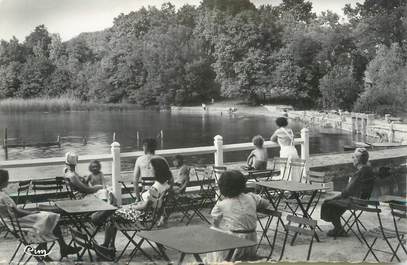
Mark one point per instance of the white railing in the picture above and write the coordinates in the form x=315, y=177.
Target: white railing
x=115, y=156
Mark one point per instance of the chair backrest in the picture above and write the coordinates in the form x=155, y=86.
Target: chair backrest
x=155, y=211
x=279, y=162
x=201, y=172
x=315, y=177
x=258, y=175
x=52, y=184
x=22, y=192
x=398, y=210
x=217, y=171
x=364, y=205
x=312, y=224
x=296, y=169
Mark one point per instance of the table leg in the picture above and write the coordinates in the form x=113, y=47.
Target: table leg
x=230, y=254
x=162, y=250
x=198, y=259
x=181, y=258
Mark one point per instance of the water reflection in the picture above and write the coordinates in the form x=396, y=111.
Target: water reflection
x=180, y=130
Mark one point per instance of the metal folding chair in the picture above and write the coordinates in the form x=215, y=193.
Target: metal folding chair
x=376, y=233
x=208, y=192
x=270, y=215
x=399, y=211
x=305, y=227
x=296, y=169
x=26, y=238
x=53, y=189
x=147, y=222
x=279, y=167
x=22, y=192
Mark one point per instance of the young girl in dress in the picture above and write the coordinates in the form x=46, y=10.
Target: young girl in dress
x=40, y=223
x=258, y=157
x=237, y=214
x=284, y=136
x=133, y=212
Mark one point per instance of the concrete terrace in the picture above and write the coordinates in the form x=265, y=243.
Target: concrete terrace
x=344, y=249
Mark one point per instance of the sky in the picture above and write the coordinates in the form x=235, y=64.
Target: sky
x=71, y=17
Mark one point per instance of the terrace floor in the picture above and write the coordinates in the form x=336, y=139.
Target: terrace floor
x=344, y=249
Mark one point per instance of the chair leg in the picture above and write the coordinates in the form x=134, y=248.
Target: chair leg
x=310, y=247
x=15, y=252
x=264, y=233
x=127, y=245
x=284, y=244
x=371, y=251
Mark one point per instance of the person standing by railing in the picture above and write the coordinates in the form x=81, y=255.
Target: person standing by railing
x=284, y=136
x=142, y=167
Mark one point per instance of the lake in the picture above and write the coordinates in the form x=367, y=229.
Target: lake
x=179, y=130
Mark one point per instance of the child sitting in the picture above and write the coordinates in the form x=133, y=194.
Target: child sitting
x=96, y=179
x=96, y=176
x=182, y=179
x=258, y=157
x=237, y=213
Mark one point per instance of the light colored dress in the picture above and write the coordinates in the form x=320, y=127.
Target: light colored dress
x=238, y=216
x=41, y=223
x=128, y=213
x=285, y=138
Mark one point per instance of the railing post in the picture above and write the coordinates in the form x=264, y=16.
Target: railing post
x=391, y=132
x=117, y=191
x=218, y=143
x=305, y=149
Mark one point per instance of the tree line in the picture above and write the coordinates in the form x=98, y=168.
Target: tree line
x=223, y=49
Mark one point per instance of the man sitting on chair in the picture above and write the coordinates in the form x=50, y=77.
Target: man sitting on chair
x=360, y=186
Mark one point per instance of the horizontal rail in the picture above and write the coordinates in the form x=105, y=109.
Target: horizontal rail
x=202, y=150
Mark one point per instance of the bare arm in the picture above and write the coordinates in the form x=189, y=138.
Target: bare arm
x=274, y=137
x=81, y=187
x=136, y=180
x=141, y=205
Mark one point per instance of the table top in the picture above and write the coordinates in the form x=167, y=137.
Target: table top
x=292, y=186
x=392, y=198
x=86, y=205
x=195, y=239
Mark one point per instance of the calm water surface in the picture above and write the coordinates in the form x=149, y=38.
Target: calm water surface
x=180, y=130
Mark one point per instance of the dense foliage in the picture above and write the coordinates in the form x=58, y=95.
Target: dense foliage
x=223, y=48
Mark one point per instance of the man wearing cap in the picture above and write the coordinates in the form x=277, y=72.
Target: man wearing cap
x=71, y=160
x=360, y=186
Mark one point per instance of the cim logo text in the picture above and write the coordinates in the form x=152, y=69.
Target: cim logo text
x=36, y=252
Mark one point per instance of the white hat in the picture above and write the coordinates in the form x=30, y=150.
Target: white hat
x=71, y=159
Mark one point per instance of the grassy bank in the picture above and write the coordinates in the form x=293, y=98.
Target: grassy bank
x=57, y=104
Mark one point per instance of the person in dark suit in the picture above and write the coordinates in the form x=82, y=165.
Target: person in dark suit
x=360, y=186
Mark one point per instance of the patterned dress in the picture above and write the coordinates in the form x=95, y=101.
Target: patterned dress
x=129, y=213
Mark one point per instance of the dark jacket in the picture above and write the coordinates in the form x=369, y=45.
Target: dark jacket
x=361, y=184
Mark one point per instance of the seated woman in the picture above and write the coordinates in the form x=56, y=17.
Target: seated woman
x=142, y=168
x=77, y=182
x=360, y=186
x=237, y=214
x=133, y=212
x=44, y=224
x=258, y=157
x=182, y=179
